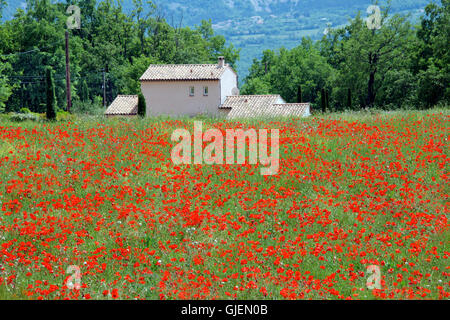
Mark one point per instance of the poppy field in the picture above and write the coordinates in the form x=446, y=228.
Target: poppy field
x=353, y=194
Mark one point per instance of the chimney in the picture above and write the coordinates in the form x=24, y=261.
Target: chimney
x=221, y=62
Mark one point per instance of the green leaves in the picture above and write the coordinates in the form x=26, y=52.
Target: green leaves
x=283, y=71
x=123, y=43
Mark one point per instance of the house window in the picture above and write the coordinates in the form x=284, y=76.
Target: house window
x=191, y=91
x=205, y=91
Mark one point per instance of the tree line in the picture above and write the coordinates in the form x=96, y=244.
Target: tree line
x=111, y=45
x=395, y=65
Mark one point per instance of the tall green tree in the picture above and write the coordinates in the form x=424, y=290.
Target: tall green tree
x=364, y=55
x=349, y=98
x=5, y=88
x=141, y=105
x=327, y=99
x=118, y=42
x=323, y=100
x=284, y=70
x=432, y=59
x=50, y=93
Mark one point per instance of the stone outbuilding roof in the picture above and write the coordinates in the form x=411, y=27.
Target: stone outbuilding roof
x=291, y=110
x=123, y=105
x=250, y=102
x=263, y=106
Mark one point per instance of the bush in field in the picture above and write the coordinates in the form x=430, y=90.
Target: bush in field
x=25, y=110
x=88, y=107
x=19, y=117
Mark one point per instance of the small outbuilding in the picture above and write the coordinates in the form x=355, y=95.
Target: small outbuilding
x=263, y=106
x=123, y=105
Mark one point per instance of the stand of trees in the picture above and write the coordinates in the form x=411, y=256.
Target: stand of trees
x=110, y=44
x=395, y=66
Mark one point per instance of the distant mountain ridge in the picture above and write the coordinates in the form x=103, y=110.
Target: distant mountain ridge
x=256, y=25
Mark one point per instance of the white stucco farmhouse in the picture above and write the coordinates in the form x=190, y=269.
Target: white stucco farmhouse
x=188, y=89
x=211, y=89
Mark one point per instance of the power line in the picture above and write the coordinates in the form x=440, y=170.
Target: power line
x=56, y=77
x=30, y=51
x=26, y=77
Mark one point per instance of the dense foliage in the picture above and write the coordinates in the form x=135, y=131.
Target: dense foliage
x=397, y=65
x=110, y=44
x=257, y=25
x=141, y=104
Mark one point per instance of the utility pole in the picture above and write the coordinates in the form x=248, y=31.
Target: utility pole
x=104, y=88
x=68, y=93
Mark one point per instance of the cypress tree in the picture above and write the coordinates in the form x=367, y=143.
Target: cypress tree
x=322, y=100
x=141, y=105
x=349, y=98
x=299, y=95
x=51, y=97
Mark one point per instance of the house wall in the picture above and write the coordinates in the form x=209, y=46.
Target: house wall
x=228, y=82
x=307, y=111
x=280, y=101
x=172, y=97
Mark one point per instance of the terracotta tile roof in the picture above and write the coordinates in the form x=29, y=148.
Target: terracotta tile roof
x=177, y=72
x=123, y=105
x=263, y=106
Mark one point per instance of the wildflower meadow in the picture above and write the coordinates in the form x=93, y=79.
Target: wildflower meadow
x=96, y=209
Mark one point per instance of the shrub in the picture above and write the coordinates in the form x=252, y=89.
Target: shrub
x=141, y=105
x=20, y=117
x=88, y=107
x=65, y=116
